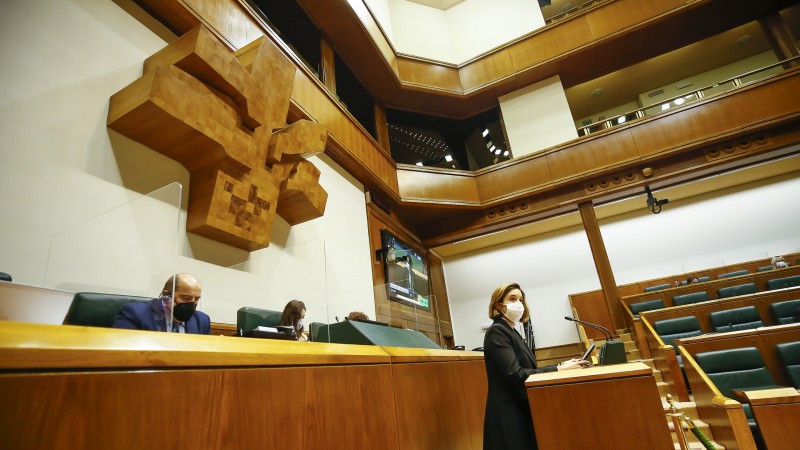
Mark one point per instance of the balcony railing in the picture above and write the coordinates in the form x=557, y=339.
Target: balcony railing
x=688, y=97
x=572, y=11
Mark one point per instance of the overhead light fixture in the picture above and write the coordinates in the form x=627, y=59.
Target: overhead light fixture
x=489, y=144
x=419, y=163
x=621, y=119
x=485, y=132
x=678, y=101
x=497, y=152
x=448, y=158
x=665, y=106
x=505, y=153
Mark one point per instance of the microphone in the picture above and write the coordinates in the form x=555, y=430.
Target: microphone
x=337, y=318
x=604, y=330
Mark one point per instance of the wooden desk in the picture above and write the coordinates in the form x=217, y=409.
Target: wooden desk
x=599, y=408
x=777, y=413
x=70, y=387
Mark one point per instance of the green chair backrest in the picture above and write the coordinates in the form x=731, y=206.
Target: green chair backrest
x=785, y=282
x=735, y=368
x=745, y=318
x=784, y=312
x=687, y=299
x=765, y=268
x=96, y=309
x=649, y=305
x=733, y=274
x=680, y=327
x=657, y=288
x=703, y=279
x=313, y=329
x=789, y=354
x=248, y=318
x=733, y=291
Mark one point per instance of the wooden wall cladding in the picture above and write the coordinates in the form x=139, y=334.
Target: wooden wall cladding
x=430, y=75
x=437, y=186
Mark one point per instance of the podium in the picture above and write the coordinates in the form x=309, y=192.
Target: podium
x=599, y=408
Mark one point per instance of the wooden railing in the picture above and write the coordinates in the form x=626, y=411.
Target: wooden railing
x=720, y=87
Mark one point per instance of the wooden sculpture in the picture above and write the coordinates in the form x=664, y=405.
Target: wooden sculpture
x=223, y=116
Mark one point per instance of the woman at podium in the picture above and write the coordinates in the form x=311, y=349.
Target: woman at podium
x=507, y=423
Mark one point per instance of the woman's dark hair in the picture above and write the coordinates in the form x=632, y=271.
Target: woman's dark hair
x=292, y=314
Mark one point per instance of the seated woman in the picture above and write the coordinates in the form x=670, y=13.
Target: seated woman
x=293, y=315
x=778, y=262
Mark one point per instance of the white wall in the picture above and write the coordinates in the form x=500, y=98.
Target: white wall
x=537, y=117
x=732, y=225
x=459, y=33
x=61, y=165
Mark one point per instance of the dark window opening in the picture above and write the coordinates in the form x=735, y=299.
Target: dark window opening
x=291, y=23
x=353, y=96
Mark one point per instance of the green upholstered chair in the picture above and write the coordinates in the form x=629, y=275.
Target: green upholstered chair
x=737, y=368
x=688, y=299
x=782, y=283
x=789, y=354
x=649, y=305
x=736, y=319
x=733, y=291
x=5, y=277
x=313, y=330
x=703, y=279
x=680, y=327
x=733, y=274
x=96, y=309
x=784, y=312
x=248, y=318
x=765, y=268
x=657, y=288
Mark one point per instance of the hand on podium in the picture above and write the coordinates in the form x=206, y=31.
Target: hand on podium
x=573, y=363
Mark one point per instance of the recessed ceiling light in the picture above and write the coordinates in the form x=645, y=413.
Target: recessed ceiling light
x=497, y=152
x=505, y=153
x=448, y=158
x=597, y=93
x=485, y=132
x=419, y=163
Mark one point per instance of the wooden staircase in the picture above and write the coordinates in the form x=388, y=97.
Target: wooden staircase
x=633, y=354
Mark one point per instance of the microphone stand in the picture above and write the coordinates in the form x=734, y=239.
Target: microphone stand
x=612, y=352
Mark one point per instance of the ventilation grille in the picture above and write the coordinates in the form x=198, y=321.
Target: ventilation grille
x=655, y=93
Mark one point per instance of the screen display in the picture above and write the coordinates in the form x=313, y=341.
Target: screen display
x=406, y=272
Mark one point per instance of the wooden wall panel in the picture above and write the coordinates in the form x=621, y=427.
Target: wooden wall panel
x=485, y=70
x=374, y=30
x=622, y=14
x=766, y=101
x=228, y=19
x=437, y=186
x=593, y=155
x=475, y=390
x=437, y=76
x=430, y=416
x=593, y=309
x=550, y=42
x=500, y=182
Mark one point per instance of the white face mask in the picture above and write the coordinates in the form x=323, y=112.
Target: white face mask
x=780, y=264
x=514, y=311
x=300, y=324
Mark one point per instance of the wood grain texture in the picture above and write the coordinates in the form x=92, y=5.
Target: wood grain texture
x=772, y=422
x=627, y=397
x=198, y=104
x=431, y=415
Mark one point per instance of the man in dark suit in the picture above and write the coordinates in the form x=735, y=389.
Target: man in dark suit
x=176, y=307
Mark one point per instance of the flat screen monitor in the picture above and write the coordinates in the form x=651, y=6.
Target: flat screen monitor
x=406, y=272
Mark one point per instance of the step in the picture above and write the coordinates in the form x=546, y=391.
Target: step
x=633, y=355
x=698, y=446
x=648, y=362
x=663, y=388
x=630, y=346
x=625, y=337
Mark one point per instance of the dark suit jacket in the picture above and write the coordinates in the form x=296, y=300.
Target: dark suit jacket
x=507, y=423
x=150, y=316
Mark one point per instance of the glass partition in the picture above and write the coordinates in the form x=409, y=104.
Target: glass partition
x=255, y=292
x=130, y=249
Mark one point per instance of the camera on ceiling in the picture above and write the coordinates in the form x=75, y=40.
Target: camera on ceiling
x=654, y=204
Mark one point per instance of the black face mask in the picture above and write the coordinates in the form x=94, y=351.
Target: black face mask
x=183, y=311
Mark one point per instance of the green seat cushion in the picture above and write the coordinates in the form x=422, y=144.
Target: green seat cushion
x=733, y=274
x=687, y=299
x=733, y=291
x=657, y=288
x=784, y=312
x=745, y=318
x=649, y=305
x=789, y=354
x=97, y=309
x=765, y=268
x=680, y=327
x=782, y=283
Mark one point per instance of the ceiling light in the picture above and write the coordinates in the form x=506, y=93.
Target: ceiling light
x=621, y=119
x=489, y=144
x=497, y=152
x=678, y=101
x=505, y=153
x=492, y=149
x=419, y=163
x=665, y=106
x=448, y=158
x=485, y=132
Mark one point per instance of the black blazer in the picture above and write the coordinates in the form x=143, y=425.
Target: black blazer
x=507, y=423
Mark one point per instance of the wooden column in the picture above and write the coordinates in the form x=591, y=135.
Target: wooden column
x=382, y=128
x=327, y=66
x=601, y=263
x=780, y=37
